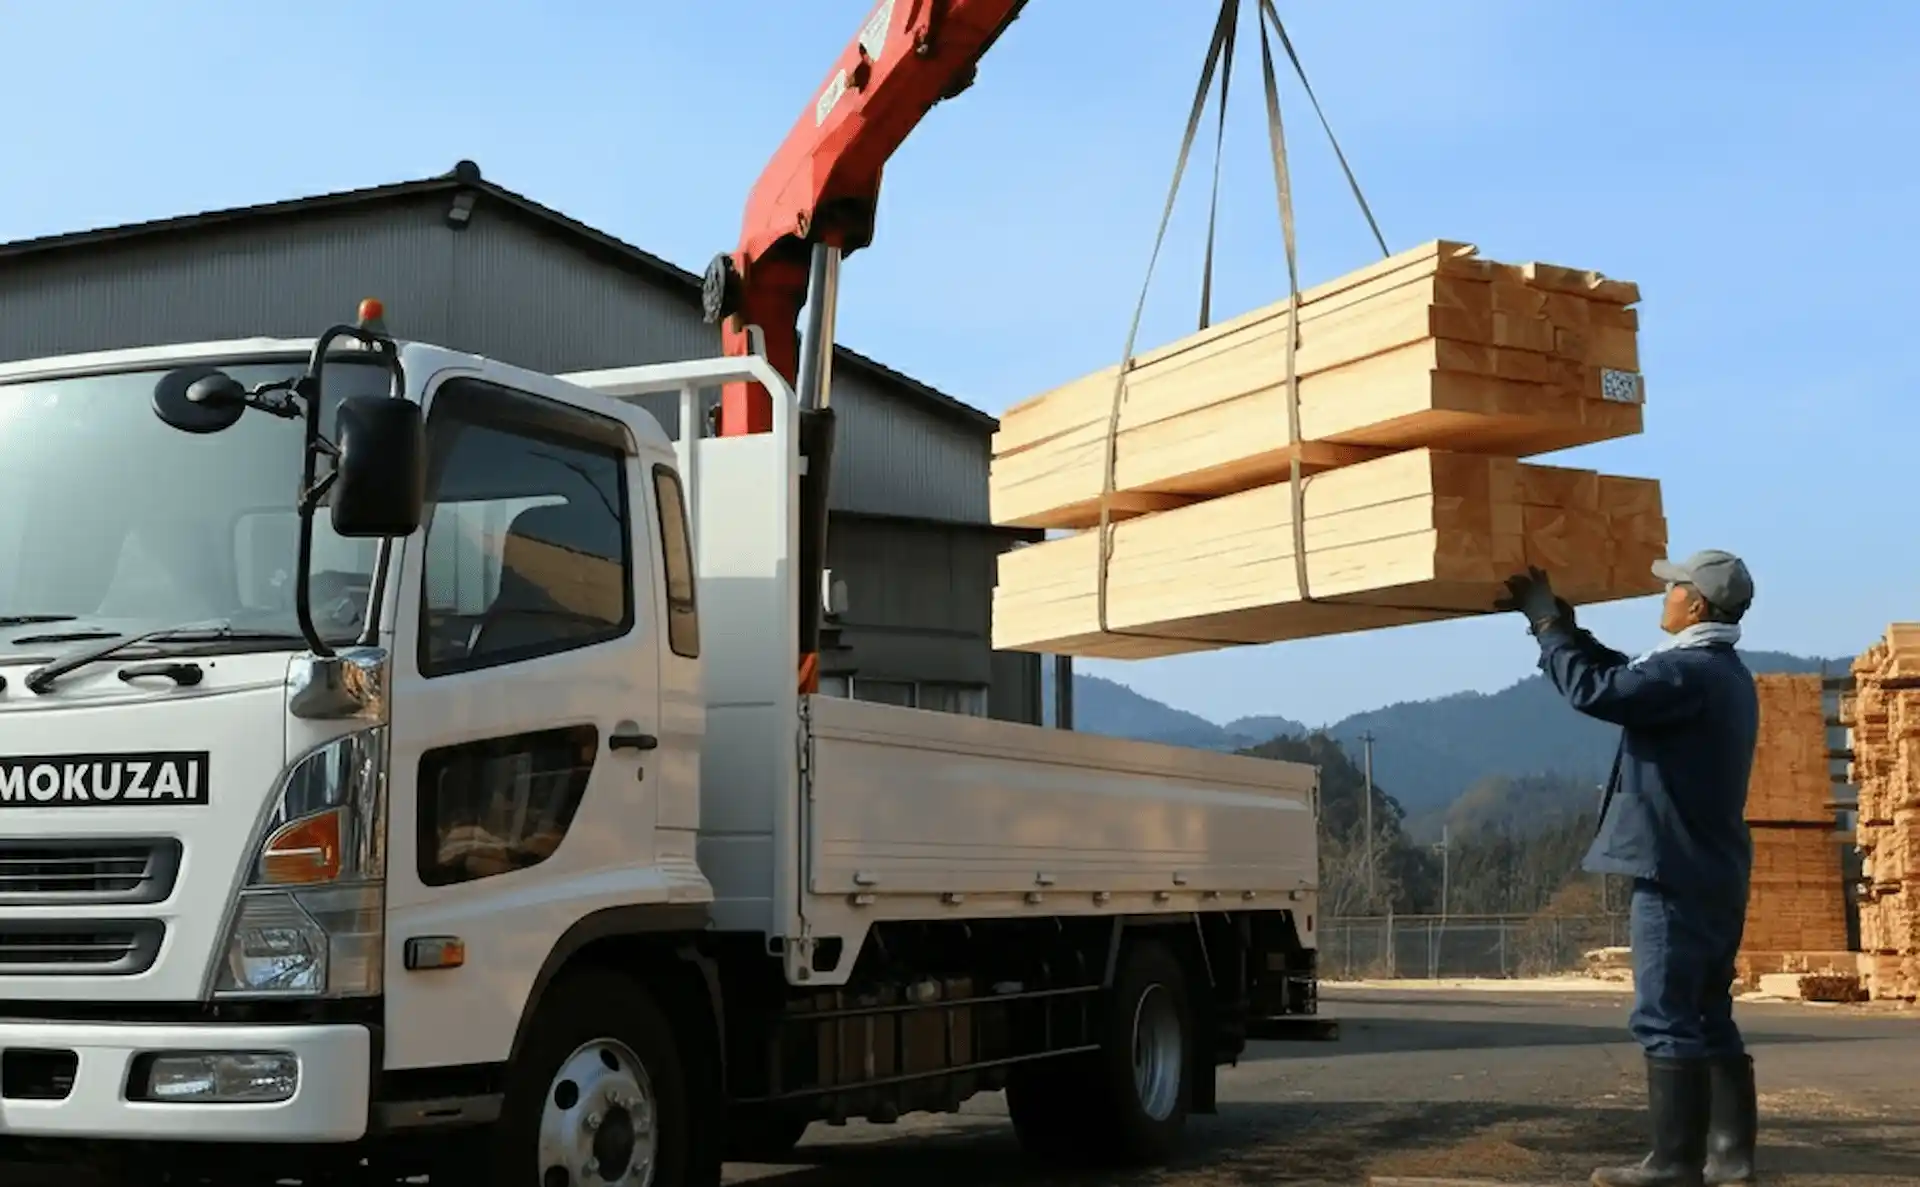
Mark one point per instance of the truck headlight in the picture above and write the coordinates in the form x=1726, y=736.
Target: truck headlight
x=215, y=1077
x=311, y=919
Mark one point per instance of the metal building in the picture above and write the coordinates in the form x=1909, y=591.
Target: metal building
x=467, y=264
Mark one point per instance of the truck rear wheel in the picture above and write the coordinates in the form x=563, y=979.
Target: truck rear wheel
x=1127, y=1102
x=597, y=1094
x=1145, y=1091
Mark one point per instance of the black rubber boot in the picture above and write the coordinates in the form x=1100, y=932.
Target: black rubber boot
x=1735, y=1128
x=1677, y=1104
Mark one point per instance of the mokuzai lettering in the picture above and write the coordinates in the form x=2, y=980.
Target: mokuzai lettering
x=85, y=780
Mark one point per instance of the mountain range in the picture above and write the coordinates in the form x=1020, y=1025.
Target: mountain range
x=1426, y=754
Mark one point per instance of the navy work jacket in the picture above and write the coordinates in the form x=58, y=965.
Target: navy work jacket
x=1674, y=810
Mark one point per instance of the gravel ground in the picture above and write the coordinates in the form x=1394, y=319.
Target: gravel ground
x=1531, y=1086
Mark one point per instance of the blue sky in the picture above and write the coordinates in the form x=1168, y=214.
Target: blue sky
x=1752, y=166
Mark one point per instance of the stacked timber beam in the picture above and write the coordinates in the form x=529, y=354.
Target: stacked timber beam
x=1883, y=717
x=1421, y=382
x=1796, y=905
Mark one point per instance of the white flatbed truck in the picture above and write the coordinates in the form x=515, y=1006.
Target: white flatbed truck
x=462, y=813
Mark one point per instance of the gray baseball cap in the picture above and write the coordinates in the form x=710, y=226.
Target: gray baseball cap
x=1721, y=578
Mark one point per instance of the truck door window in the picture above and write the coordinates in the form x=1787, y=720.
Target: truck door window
x=683, y=611
x=502, y=804
x=528, y=541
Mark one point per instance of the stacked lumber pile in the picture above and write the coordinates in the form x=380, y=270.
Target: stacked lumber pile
x=1825, y=966
x=1883, y=717
x=1422, y=381
x=1813, y=987
x=1797, y=900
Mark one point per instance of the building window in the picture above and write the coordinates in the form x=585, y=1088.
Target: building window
x=528, y=544
x=884, y=692
x=683, y=613
x=503, y=804
x=967, y=699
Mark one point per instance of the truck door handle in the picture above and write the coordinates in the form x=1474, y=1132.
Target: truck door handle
x=630, y=738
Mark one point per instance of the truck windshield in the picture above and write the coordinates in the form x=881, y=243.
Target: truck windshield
x=112, y=521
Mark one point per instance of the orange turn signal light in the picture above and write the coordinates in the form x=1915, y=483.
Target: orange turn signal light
x=303, y=851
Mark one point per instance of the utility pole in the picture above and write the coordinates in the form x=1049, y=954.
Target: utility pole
x=1446, y=868
x=1367, y=740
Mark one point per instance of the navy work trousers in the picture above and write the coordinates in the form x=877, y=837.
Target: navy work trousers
x=1683, y=968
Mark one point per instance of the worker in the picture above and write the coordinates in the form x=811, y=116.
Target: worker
x=1673, y=819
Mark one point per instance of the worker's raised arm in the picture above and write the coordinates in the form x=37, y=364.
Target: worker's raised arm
x=1595, y=679
x=1602, y=683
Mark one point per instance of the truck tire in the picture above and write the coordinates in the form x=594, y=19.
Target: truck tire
x=597, y=1094
x=1143, y=1093
x=1127, y=1103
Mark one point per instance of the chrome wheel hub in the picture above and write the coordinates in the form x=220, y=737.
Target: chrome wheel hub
x=1156, y=1053
x=597, y=1125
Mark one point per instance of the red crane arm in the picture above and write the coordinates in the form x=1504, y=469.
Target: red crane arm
x=823, y=183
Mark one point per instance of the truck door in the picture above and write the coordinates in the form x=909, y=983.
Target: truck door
x=526, y=711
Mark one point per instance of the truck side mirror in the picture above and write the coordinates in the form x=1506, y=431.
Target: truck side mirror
x=380, y=475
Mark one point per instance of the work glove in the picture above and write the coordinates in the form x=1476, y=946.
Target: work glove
x=1531, y=593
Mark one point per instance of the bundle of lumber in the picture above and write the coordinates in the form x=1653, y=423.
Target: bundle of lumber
x=1412, y=537
x=1883, y=718
x=1421, y=381
x=1814, y=987
x=1791, y=781
x=1431, y=348
x=1797, y=901
x=1751, y=966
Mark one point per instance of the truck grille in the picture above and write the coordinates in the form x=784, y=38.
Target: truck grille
x=87, y=872
x=78, y=947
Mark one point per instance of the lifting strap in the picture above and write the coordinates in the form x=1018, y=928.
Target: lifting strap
x=1223, y=27
x=1220, y=56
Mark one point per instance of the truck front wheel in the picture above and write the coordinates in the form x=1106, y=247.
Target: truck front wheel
x=597, y=1094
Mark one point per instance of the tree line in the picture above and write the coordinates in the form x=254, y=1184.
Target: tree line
x=1513, y=845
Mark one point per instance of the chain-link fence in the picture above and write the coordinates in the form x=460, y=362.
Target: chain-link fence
x=1463, y=946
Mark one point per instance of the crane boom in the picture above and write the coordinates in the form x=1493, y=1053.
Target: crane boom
x=813, y=204
x=823, y=182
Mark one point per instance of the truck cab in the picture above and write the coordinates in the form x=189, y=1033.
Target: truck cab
x=400, y=759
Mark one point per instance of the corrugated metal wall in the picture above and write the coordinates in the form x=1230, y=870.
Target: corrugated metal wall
x=529, y=295
x=501, y=288
x=891, y=457
x=496, y=289
x=919, y=603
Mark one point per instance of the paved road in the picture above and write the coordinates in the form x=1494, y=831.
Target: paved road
x=1527, y=1087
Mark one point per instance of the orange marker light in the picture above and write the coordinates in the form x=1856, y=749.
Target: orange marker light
x=372, y=311
x=303, y=851
x=424, y=953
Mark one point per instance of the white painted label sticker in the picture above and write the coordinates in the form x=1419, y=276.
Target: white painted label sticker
x=872, y=41
x=873, y=38
x=830, y=97
x=1622, y=387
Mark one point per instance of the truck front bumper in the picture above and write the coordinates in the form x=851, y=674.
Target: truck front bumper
x=87, y=1093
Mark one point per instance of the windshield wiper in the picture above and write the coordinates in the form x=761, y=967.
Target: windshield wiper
x=7, y=620
x=65, y=637
x=42, y=678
